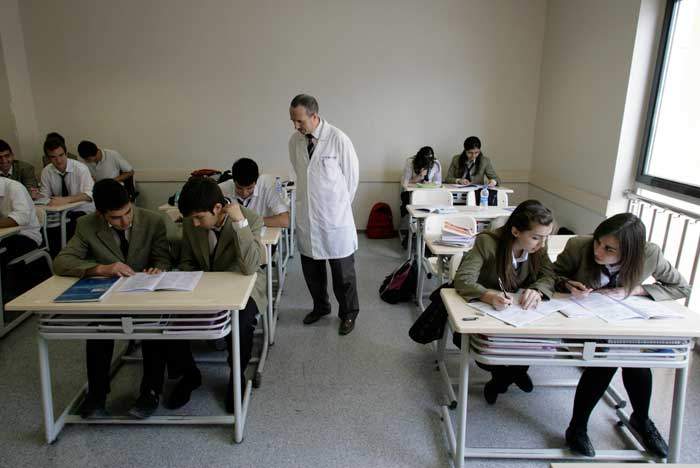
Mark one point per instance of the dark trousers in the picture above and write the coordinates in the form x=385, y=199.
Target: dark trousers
x=15, y=280
x=503, y=375
x=595, y=380
x=177, y=355
x=344, y=284
x=54, y=233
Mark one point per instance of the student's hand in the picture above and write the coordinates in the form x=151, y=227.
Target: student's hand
x=492, y=182
x=463, y=181
x=615, y=293
x=34, y=193
x=530, y=299
x=115, y=269
x=58, y=201
x=423, y=173
x=153, y=271
x=234, y=212
x=496, y=299
x=577, y=289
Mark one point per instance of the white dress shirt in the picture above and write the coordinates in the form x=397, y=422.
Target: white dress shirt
x=111, y=165
x=16, y=203
x=78, y=180
x=264, y=200
x=434, y=174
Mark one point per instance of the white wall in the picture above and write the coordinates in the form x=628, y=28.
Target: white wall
x=177, y=85
x=586, y=63
x=8, y=132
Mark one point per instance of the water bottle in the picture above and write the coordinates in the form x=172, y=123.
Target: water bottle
x=278, y=186
x=484, y=197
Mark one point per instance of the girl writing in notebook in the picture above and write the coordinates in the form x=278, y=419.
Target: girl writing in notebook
x=512, y=256
x=615, y=261
x=422, y=168
x=471, y=166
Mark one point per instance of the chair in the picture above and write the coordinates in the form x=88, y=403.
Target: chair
x=436, y=197
x=40, y=252
x=501, y=198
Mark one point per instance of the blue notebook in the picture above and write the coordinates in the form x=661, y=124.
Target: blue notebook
x=88, y=290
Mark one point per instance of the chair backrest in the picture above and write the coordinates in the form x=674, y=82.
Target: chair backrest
x=433, y=223
x=41, y=216
x=501, y=198
x=436, y=197
x=498, y=222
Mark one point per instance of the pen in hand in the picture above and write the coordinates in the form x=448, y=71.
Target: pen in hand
x=503, y=290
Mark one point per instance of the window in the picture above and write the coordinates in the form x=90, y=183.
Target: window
x=670, y=157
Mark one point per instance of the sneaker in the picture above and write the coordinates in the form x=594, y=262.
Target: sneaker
x=145, y=405
x=578, y=441
x=651, y=438
x=93, y=406
x=183, y=390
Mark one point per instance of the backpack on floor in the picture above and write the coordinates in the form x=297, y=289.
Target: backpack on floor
x=400, y=285
x=380, y=224
x=430, y=325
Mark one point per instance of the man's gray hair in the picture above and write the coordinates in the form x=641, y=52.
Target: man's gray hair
x=307, y=101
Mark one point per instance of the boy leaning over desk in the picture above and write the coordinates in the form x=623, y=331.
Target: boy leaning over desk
x=119, y=239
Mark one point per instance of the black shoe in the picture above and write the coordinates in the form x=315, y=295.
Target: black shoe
x=146, y=404
x=491, y=392
x=346, y=326
x=183, y=389
x=313, y=317
x=93, y=406
x=523, y=381
x=651, y=438
x=578, y=442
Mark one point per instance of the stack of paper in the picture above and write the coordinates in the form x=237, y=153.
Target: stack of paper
x=166, y=281
x=455, y=235
x=634, y=307
x=515, y=315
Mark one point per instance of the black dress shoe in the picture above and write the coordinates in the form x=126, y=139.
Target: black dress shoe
x=651, y=438
x=146, y=404
x=93, y=406
x=313, y=317
x=183, y=390
x=346, y=326
x=523, y=381
x=491, y=392
x=578, y=442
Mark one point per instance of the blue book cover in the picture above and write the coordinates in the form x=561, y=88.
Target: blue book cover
x=88, y=290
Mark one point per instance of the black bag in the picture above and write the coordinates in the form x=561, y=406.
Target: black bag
x=431, y=324
x=400, y=285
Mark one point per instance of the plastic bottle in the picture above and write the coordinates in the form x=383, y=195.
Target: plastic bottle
x=484, y=197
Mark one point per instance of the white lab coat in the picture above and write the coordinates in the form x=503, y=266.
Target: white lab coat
x=326, y=186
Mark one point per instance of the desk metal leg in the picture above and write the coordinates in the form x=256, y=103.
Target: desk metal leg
x=462, y=403
x=292, y=221
x=46, y=394
x=239, y=422
x=420, y=249
x=409, y=241
x=675, y=437
x=268, y=275
x=64, y=218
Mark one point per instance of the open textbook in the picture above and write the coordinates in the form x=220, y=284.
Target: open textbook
x=633, y=307
x=515, y=315
x=166, y=281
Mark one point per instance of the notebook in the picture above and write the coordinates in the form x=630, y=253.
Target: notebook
x=166, y=281
x=88, y=290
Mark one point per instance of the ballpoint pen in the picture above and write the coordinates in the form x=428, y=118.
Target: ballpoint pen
x=503, y=290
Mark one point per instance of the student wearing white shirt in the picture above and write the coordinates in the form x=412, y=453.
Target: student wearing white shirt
x=65, y=181
x=105, y=163
x=17, y=209
x=256, y=192
x=423, y=167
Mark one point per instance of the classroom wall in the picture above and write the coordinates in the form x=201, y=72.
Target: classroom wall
x=175, y=85
x=8, y=132
x=587, y=55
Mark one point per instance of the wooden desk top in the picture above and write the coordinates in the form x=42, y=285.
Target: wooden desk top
x=490, y=212
x=59, y=208
x=8, y=231
x=454, y=188
x=271, y=235
x=557, y=325
x=215, y=291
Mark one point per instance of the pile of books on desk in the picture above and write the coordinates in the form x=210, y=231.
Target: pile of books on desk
x=454, y=235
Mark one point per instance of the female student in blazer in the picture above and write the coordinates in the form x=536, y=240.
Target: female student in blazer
x=515, y=255
x=471, y=166
x=615, y=261
x=423, y=167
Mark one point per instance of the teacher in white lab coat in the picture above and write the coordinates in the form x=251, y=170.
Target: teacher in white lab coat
x=327, y=173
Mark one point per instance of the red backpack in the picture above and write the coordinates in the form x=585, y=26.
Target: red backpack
x=381, y=223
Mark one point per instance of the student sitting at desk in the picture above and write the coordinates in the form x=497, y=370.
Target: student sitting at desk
x=118, y=240
x=219, y=235
x=422, y=168
x=105, y=163
x=65, y=181
x=257, y=192
x=15, y=169
x=615, y=261
x=514, y=256
x=472, y=167
x=16, y=209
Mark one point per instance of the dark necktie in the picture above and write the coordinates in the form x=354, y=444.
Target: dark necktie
x=242, y=202
x=310, y=144
x=123, y=243
x=612, y=277
x=64, y=187
x=468, y=171
x=217, y=233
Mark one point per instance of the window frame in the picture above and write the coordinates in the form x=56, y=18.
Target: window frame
x=663, y=54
